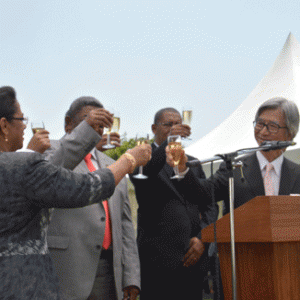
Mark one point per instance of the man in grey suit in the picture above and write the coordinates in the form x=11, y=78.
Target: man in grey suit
x=85, y=268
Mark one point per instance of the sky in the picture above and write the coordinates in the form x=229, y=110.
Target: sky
x=140, y=56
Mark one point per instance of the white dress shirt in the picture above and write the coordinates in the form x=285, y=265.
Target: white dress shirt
x=94, y=160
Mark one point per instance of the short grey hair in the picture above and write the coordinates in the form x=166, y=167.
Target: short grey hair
x=289, y=108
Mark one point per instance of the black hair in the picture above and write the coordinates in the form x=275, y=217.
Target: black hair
x=8, y=102
x=160, y=113
x=81, y=102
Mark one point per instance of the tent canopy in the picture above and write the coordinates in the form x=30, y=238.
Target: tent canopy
x=236, y=132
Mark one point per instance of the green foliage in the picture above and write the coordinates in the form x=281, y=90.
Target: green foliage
x=125, y=145
x=117, y=152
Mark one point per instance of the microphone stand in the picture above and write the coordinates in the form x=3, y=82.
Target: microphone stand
x=228, y=159
x=233, y=154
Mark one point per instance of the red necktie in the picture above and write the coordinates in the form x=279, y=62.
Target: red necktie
x=107, y=234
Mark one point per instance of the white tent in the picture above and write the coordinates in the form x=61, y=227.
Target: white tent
x=236, y=132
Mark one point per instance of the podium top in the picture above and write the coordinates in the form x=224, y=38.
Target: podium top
x=263, y=219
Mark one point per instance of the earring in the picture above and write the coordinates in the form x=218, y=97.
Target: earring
x=6, y=139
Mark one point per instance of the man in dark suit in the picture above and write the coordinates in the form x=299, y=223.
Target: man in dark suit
x=169, y=221
x=264, y=172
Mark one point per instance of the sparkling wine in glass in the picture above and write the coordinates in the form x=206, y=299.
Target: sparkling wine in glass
x=187, y=114
x=116, y=124
x=174, y=143
x=36, y=126
x=140, y=140
x=114, y=128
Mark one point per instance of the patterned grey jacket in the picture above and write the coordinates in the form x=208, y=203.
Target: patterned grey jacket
x=30, y=186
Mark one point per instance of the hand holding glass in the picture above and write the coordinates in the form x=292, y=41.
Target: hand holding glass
x=174, y=143
x=187, y=113
x=141, y=139
x=36, y=126
x=114, y=128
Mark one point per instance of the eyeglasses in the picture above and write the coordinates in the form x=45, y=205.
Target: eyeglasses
x=170, y=124
x=24, y=120
x=271, y=127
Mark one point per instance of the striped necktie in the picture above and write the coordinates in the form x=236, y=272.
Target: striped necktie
x=107, y=235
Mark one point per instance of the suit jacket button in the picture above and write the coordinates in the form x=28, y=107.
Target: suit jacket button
x=102, y=219
x=98, y=247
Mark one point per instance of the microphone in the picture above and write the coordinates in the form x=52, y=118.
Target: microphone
x=274, y=145
x=265, y=146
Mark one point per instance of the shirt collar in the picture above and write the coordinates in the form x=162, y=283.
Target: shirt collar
x=93, y=152
x=277, y=163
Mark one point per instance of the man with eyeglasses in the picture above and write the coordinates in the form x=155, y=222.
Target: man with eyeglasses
x=264, y=172
x=172, y=256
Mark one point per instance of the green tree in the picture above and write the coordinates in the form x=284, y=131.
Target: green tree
x=117, y=152
x=125, y=145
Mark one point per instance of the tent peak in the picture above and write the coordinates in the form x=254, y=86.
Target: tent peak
x=236, y=132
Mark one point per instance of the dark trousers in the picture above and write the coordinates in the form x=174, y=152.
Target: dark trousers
x=104, y=285
x=181, y=283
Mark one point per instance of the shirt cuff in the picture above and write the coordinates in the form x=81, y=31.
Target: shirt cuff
x=184, y=172
x=25, y=150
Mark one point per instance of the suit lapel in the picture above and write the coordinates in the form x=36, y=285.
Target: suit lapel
x=102, y=159
x=166, y=171
x=253, y=175
x=286, y=179
x=169, y=172
x=82, y=167
x=165, y=174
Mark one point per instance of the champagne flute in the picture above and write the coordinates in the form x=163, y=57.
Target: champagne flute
x=114, y=128
x=140, y=140
x=187, y=113
x=36, y=126
x=174, y=143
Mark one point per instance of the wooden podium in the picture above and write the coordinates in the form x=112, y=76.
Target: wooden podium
x=267, y=246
